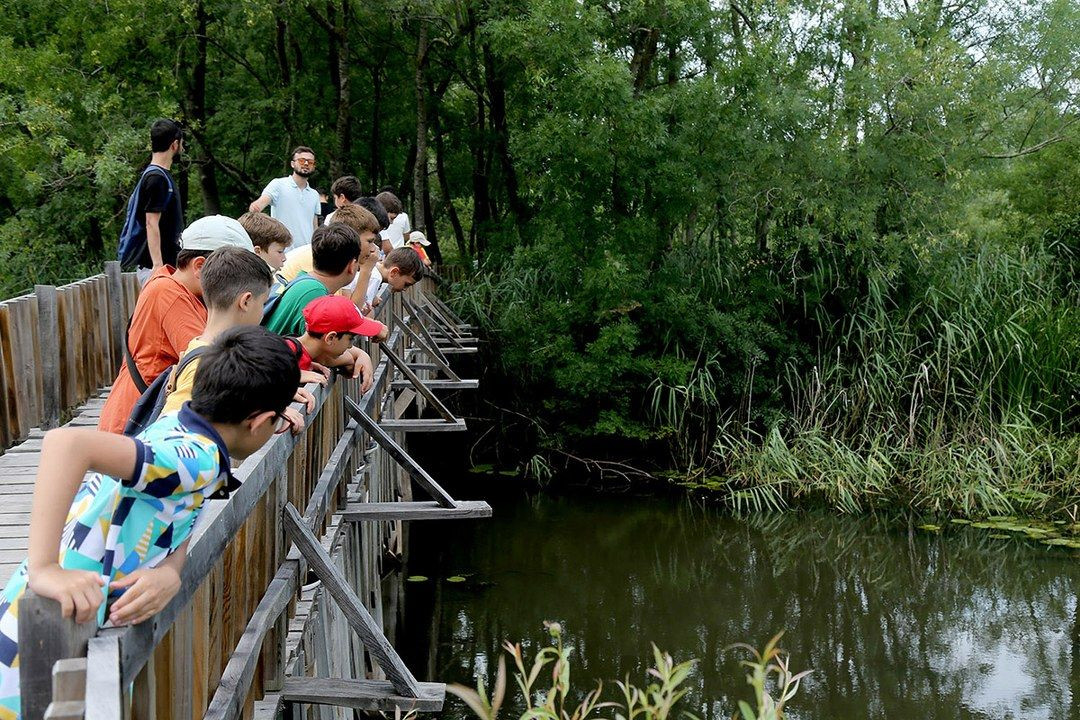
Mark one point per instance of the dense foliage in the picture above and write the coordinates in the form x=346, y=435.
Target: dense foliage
x=781, y=246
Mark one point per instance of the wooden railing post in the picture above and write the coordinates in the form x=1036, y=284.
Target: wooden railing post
x=117, y=320
x=49, y=345
x=45, y=637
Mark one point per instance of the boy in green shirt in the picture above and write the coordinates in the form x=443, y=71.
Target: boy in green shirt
x=335, y=252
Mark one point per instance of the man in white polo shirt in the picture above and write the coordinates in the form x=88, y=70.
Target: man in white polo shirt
x=292, y=200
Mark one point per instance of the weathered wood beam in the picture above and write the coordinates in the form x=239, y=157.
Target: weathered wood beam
x=104, y=690
x=417, y=510
x=356, y=614
x=422, y=425
x=427, y=346
x=371, y=695
x=425, y=391
x=398, y=454
x=438, y=384
x=44, y=639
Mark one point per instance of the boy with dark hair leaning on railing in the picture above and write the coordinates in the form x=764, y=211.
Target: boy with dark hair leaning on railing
x=127, y=524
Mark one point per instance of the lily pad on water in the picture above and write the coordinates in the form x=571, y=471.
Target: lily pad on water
x=481, y=469
x=1063, y=542
x=509, y=473
x=930, y=527
x=960, y=521
x=455, y=579
x=416, y=578
x=1000, y=536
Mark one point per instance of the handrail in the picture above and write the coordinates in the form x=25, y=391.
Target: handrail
x=237, y=551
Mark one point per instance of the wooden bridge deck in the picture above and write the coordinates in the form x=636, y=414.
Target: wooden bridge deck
x=18, y=468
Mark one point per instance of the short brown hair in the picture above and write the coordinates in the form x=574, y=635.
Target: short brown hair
x=349, y=186
x=333, y=247
x=264, y=230
x=406, y=260
x=390, y=201
x=231, y=271
x=299, y=149
x=356, y=217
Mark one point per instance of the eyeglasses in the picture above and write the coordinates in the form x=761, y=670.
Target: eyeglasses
x=282, y=423
x=304, y=161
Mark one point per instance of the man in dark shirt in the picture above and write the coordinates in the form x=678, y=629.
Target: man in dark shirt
x=159, y=201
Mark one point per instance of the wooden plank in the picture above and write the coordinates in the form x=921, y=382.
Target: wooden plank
x=228, y=700
x=417, y=510
x=15, y=374
x=444, y=412
x=372, y=695
x=447, y=311
x=66, y=710
x=114, y=284
x=357, y=615
x=439, y=384
x=441, y=320
x=426, y=345
x=421, y=425
x=68, y=343
x=398, y=454
x=103, y=688
x=69, y=679
x=44, y=638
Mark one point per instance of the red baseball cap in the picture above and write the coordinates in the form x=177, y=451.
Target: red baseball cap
x=337, y=313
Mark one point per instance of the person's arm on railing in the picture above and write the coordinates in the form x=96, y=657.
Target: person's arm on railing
x=67, y=454
x=149, y=590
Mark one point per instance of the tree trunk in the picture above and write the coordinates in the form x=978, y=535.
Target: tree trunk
x=196, y=102
x=343, y=126
x=285, y=70
x=448, y=200
x=644, y=43
x=375, y=152
x=420, y=167
x=497, y=97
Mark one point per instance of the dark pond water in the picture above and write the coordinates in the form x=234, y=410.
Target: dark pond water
x=894, y=623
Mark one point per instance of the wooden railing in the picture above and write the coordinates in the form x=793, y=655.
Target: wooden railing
x=58, y=347
x=223, y=642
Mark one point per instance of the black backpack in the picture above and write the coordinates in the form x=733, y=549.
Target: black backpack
x=148, y=407
x=133, y=235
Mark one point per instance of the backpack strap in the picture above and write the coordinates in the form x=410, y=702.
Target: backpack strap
x=190, y=355
x=133, y=369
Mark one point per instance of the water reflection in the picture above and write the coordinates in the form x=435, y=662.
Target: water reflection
x=896, y=623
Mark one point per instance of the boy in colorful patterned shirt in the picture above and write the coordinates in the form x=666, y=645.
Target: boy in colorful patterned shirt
x=119, y=553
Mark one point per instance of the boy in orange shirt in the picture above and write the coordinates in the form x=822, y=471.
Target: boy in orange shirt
x=168, y=315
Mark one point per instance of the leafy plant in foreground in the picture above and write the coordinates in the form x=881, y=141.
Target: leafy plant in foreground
x=656, y=701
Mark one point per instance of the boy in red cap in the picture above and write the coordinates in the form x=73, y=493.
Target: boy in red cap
x=332, y=322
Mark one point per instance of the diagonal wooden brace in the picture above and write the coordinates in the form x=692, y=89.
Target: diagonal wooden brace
x=402, y=458
x=357, y=615
x=421, y=388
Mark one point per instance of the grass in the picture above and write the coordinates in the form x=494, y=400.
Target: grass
x=959, y=398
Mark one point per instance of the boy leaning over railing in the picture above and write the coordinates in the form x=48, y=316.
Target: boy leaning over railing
x=119, y=553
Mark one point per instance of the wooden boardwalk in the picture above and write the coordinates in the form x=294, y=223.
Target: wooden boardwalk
x=242, y=638
x=18, y=468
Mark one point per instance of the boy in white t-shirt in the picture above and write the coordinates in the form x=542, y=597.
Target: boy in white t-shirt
x=394, y=236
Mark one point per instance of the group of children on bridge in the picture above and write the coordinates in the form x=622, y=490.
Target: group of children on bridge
x=235, y=317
